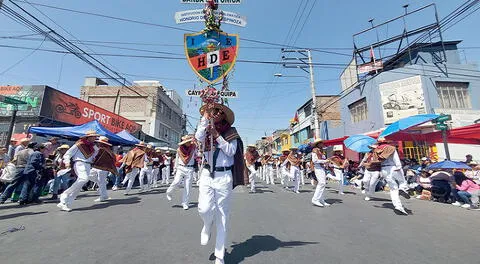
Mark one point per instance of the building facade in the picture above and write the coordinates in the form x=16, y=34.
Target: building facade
x=410, y=84
x=302, y=127
x=147, y=102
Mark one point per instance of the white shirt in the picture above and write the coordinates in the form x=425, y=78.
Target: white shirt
x=227, y=149
x=75, y=154
x=318, y=161
x=167, y=160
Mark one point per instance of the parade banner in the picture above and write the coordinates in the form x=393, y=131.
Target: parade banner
x=197, y=15
x=223, y=2
x=211, y=54
x=223, y=94
x=68, y=109
x=402, y=98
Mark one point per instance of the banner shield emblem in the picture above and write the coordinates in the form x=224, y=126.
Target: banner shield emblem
x=211, y=54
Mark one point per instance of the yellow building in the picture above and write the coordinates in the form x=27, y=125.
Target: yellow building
x=285, y=141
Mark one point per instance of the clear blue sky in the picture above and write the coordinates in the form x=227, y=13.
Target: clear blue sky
x=266, y=103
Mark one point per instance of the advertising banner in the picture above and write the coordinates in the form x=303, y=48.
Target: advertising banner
x=402, y=98
x=32, y=95
x=65, y=108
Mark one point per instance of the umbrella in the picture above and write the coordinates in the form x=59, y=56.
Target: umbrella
x=406, y=123
x=359, y=143
x=448, y=164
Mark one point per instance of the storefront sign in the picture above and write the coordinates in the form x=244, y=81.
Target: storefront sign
x=32, y=95
x=65, y=108
x=402, y=98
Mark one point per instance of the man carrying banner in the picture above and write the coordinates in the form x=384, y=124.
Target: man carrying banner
x=184, y=168
x=223, y=171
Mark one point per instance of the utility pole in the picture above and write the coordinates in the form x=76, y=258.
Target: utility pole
x=305, y=63
x=14, y=103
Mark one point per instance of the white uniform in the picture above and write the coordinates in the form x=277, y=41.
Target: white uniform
x=393, y=173
x=130, y=177
x=166, y=170
x=147, y=170
x=270, y=173
x=339, y=176
x=294, y=175
x=215, y=192
x=100, y=177
x=370, y=180
x=251, y=176
x=82, y=167
x=185, y=172
x=318, y=163
x=155, y=173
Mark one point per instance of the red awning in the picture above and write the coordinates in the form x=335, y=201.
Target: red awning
x=460, y=135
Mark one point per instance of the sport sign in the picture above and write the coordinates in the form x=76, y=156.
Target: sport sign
x=197, y=15
x=223, y=94
x=211, y=54
x=223, y=2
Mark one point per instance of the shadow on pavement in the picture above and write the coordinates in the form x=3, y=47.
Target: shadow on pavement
x=334, y=201
x=10, y=216
x=190, y=205
x=155, y=191
x=379, y=199
x=113, y=202
x=257, y=244
x=391, y=207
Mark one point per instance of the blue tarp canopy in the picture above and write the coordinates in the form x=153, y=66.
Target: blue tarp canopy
x=78, y=131
x=125, y=135
x=448, y=164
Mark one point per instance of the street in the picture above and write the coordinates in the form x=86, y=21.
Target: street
x=270, y=226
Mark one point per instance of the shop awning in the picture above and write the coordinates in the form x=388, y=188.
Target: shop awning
x=460, y=135
x=78, y=131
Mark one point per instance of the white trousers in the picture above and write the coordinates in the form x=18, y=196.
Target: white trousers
x=155, y=173
x=251, y=177
x=145, y=171
x=214, y=204
x=285, y=178
x=370, y=180
x=100, y=177
x=166, y=175
x=270, y=175
x=395, y=181
x=302, y=177
x=319, y=195
x=186, y=174
x=130, y=177
x=82, y=170
x=338, y=177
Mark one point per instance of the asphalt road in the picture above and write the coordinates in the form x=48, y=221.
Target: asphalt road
x=270, y=226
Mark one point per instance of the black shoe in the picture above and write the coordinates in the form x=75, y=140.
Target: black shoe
x=22, y=202
x=2, y=202
x=37, y=201
x=54, y=197
x=404, y=194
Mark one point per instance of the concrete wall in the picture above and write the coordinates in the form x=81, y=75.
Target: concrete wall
x=149, y=106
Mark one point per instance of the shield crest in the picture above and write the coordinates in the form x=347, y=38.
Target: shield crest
x=211, y=54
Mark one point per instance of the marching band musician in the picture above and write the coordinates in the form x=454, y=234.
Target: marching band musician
x=251, y=156
x=319, y=161
x=339, y=163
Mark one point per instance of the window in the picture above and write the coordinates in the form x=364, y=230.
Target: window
x=307, y=110
x=358, y=110
x=453, y=95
